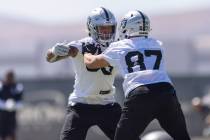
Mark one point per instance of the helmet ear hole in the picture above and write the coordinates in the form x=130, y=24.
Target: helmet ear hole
x=124, y=31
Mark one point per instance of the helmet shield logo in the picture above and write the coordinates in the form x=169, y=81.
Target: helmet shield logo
x=123, y=23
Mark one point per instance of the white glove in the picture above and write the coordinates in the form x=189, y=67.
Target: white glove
x=60, y=49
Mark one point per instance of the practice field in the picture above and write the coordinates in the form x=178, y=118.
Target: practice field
x=45, y=102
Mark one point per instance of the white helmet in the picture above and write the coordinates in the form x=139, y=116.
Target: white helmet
x=134, y=23
x=101, y=25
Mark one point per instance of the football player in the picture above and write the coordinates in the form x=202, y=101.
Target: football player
x=92, y=101
x=149, y=92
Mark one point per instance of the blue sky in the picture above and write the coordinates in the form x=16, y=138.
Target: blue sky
x=56, y=11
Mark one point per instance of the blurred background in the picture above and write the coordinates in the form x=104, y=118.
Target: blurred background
x=29, y=27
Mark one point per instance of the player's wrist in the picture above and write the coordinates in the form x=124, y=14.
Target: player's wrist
x=73, y=51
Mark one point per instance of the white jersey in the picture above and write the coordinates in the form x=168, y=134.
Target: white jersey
x=140, y=61
x=91, y=86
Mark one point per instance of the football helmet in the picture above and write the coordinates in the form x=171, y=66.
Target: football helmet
x=101, y=25
x=134, y=23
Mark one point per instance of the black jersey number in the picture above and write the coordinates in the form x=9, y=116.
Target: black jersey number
x=105, y=71
x=139, y=61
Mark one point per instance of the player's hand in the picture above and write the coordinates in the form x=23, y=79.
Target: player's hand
x=87, y=56
x=89, y=48
x=60, y=49
x=88, y=59
x=50, y=57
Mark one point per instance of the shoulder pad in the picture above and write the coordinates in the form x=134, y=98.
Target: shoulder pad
x=89, y=40
x=79, y=43
x=154, y=41
x=75, y=44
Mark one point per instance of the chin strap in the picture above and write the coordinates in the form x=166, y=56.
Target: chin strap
x=138, y=36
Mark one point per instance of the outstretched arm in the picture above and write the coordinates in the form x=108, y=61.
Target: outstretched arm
x=52, y=57
x=60, y=52
x=95, y=61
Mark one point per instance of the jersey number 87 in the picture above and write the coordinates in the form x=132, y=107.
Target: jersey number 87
x=140, y=59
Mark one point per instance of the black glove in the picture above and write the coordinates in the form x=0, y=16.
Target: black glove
x=89, y=48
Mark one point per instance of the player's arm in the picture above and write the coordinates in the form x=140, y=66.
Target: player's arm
x=52, y=57
x=95, y=61
x=59, y=52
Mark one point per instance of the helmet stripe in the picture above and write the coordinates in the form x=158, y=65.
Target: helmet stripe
x=143, y=18
x=106, y=13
